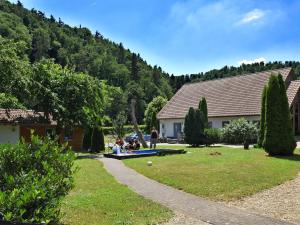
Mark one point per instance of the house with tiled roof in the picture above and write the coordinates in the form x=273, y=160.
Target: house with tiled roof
x=18, y=123
x=227, y=99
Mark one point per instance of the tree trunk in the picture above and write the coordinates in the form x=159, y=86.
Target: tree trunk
x=135, y=124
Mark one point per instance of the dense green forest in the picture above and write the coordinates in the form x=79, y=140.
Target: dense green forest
x=81, y=51
x=77, y=76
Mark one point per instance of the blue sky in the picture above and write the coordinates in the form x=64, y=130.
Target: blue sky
x=189, y=36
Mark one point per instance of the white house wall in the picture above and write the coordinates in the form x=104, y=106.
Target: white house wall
x=217, y=122
x=9, y=134
x=167, y=125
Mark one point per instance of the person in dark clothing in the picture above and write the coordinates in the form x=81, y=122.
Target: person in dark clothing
x=154, y=137
x=137, y=145
x=130, y=146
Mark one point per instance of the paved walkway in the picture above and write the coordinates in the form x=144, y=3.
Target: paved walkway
x=187, y=204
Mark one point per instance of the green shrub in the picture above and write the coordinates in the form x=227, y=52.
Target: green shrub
x=239, y=131
x=127, y=129
x=256, y=146
x=33, y=180
x=97, y=144
x=212, y=136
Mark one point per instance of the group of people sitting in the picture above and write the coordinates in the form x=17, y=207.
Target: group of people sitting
x=132, y=145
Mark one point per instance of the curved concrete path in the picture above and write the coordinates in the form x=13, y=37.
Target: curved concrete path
x=188, y=204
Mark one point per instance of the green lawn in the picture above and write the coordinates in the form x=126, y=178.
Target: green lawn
x=233, y=174
x=98, y=199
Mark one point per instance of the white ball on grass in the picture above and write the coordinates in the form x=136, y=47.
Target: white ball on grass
x=149, y=163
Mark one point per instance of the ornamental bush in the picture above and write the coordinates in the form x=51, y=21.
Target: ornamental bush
x=194, y=127
x=34, y=178
x=239, y=131
x=212, y=136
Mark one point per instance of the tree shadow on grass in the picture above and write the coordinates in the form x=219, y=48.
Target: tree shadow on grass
x=295, y=157
x=203, y=146
x=87, y=156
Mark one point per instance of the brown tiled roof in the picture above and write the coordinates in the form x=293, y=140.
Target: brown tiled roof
x=233, y=96
x=293, y=90
x=16, y=116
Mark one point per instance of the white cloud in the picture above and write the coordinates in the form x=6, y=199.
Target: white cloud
x=200, y=16
x=258, y=60
x=252, y=16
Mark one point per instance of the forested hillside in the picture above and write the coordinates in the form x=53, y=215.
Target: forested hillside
x=81, y=51
x=76, y=75
x=177, y=81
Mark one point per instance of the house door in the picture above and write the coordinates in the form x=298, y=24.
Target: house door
x=177, y=129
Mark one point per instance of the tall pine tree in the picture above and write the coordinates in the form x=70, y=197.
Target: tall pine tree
x=279, y=137
x=288, y=139
x=203, y=109
x=189, y=126
x=121, y=54
x=262, y=117
x=198, y=135
x=134, y=67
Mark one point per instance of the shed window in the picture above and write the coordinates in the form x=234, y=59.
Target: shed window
x=209, y=124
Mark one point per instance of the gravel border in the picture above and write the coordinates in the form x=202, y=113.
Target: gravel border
x=281, y=202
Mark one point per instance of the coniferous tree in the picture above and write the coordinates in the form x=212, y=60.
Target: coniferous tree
x=272, y=138
x=194, y=127
x=121, y=54
x=262, y=117
x=52, y=19
x=278, y=138
x=19, y=4
x=203, y=109
x=134, y=67
x=288, y=139
x=189, y=126
x=198, y=134
x=97, y=144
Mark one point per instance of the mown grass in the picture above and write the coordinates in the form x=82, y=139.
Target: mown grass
x=98, y=198
x=233, y=174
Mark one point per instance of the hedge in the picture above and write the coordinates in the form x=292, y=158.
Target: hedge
x=127, y=128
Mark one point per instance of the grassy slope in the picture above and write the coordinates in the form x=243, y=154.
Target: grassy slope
x=98, y=199
x=232, y=175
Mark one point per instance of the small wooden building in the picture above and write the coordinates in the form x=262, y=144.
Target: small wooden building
x=16, y=124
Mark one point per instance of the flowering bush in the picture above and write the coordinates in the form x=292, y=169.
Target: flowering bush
x=240, y=131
